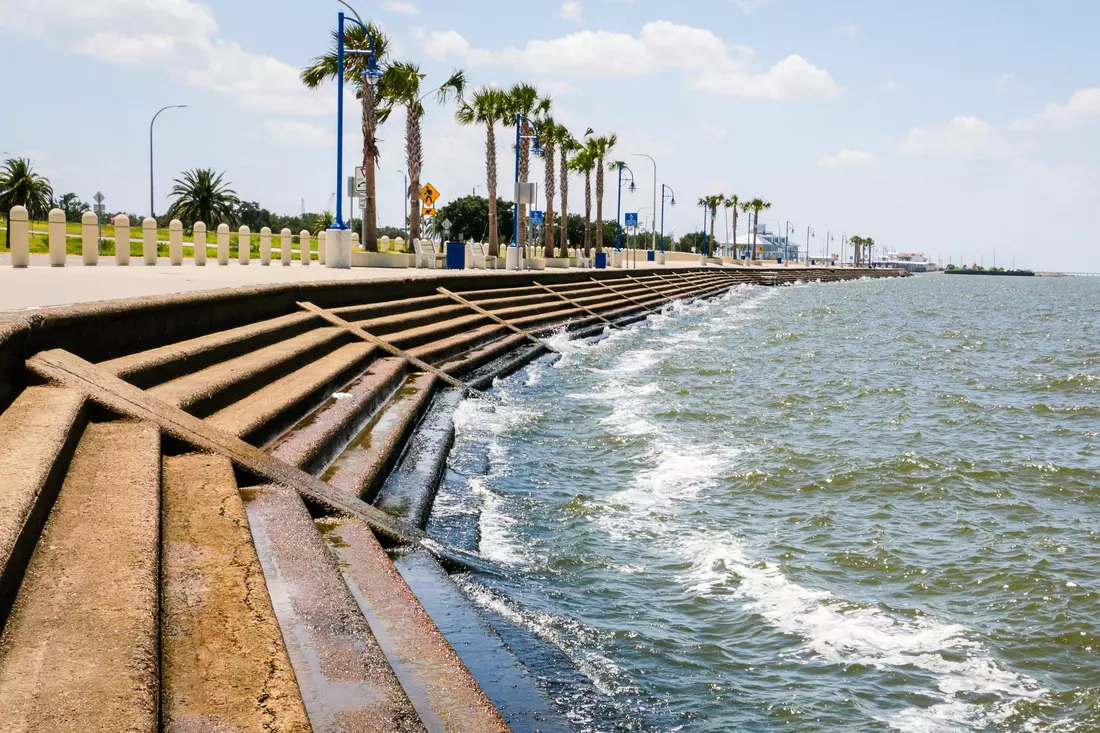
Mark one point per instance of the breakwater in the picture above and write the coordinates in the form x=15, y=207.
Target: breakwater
x=225, y=495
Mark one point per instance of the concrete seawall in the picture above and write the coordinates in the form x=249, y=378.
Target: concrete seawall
x=259, y=464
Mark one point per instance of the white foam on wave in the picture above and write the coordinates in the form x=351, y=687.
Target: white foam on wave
x=495, y=526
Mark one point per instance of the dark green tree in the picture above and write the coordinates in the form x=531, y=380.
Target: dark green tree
x=21, y=186
x=202, y=195
x=469, y=217
x=73, y=207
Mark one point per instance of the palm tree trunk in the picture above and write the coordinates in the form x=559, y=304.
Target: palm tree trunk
x=599, y=204
x=370, y=163
x=735, y=231
x=710, y=242
x=551, y=191
x=491, y=184
x=756, y=225
x=563, y=241
x=414, y=157
x=587, y=211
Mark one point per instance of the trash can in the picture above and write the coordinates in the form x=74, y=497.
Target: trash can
x=650, y=256
x=779, y=260
x=601, y=260
x=456, y=255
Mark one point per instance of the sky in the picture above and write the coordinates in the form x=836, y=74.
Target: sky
x=967, y=129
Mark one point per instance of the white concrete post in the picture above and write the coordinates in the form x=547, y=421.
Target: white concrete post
x=223, y=244
x=265, y=246
x=286, y=244
x=339, y=249
x=244, y=245
x=305, y=250
x=175, y=242
x=322, y=245
x=355, y=240
x=89, y=238
x=149, y=240
x=20, y=236
x=57, y=238
x=199, y=235
x=122, y=240
x=399, y=245
x=385, y=244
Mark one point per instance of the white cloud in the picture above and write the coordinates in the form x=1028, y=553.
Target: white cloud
x=890, y=87
x=396, y=6
x=847, y=158
x=1005, y=80
x=571, y=10
x=659, y=45
x=300, y=134
x=963, y=136
x=1082, y=109
x=557, y=87
x=748, y=6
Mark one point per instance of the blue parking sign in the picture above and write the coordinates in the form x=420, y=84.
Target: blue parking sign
x=536, y=217
x=631, y=220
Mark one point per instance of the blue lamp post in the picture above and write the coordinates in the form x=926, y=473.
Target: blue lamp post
x=537, y=150
x=667, y=194
x=619, y=206
x=372, y=75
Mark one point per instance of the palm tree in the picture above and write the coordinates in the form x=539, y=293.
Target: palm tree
x=601, y=147
x=584, y=162
x=856, y=241
x=523, y=99
x=324, y=68
x=756, y=206
x=732, y=202
x=712, y=203
x=567, y=144
x=548, y=139
x=203, y=196
x=489, y=107
x=21, y=186
x=401, y=85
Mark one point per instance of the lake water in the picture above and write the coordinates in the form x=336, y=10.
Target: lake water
x=863, y=506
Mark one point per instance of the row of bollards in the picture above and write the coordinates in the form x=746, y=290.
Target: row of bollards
x=19, y=225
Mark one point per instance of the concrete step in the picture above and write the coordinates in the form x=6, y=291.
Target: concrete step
x=410, y=488
x=442, y=349
x=223, y=662
x=79, y=652
x=468, y=361
x=506, y=682
x=360, y=469
x=314, y=442
x=346, y=682
x=441, y=688
x=269, y=411
x=208, y=390
x=39, y=432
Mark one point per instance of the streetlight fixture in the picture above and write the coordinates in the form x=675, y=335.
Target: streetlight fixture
x=828, y=239
x=787, y=242
x=809, y=232
x=619, y=206
x=372, y=75
x=537, y=150
x=667, y=194
x=171, y=106
x=643, y=155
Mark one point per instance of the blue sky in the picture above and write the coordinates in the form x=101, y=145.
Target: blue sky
x=955, y=128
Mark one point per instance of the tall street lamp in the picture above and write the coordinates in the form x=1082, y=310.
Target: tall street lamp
x=372, y=75
x=825, y=247
x=405, y=221
x=537, y=150
x=667, y=194
x=643, y=155
x=809, y=232
x=619, y=206
x=787, y=242
x=171, y=106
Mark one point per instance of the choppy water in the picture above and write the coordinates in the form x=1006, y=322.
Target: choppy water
x=864, y=506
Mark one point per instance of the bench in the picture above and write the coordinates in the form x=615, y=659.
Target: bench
x=475, y=256
x=424, y=251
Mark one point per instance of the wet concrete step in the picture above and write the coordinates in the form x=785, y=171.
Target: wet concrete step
x=268, y=411
x=506, y=682
x=360, y=469
x=444, y=693
x=470, y=360
x=346, y=682
x=79, y=651
x=223, y=662
x=39, y=432
x=442, y=349
x=410, y=488
x=315, y=441
x=205, y=391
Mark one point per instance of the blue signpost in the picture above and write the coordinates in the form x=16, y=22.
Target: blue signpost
x=536, y=217
x=630, y=219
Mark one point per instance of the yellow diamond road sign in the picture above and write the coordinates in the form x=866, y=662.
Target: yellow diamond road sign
x=427, y=211
x=429, y=195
